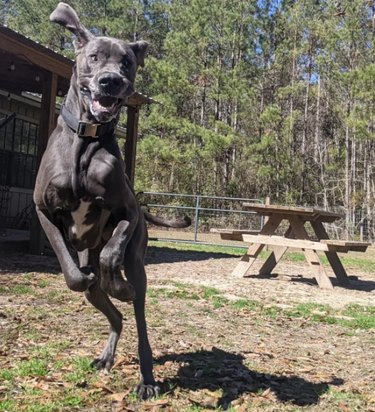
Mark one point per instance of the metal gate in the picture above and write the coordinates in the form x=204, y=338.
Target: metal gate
x=206, y=212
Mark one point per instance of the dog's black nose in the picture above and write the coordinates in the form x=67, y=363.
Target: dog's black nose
x=110, y=83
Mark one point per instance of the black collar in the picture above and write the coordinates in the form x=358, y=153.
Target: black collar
x=83, y=129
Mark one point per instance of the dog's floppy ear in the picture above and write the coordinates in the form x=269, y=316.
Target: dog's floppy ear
x=67, y=17
x=139, y=49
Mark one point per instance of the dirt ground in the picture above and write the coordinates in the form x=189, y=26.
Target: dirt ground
x=220, y=343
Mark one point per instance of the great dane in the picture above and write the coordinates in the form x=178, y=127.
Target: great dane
x=83, y=196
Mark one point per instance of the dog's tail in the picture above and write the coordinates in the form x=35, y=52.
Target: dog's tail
x=161, y=221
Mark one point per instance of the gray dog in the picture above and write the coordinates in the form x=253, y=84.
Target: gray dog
x=83, y=196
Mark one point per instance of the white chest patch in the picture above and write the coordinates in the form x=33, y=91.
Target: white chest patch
x=79, y=228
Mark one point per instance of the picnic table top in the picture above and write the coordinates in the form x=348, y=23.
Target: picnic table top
x=306, y=213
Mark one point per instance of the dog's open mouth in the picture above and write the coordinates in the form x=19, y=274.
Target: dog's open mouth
x=103, y=108
x=105, y=105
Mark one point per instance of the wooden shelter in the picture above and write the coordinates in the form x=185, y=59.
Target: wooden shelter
x=28, y=66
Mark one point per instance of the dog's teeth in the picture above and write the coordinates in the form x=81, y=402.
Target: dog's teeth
x=99, y=107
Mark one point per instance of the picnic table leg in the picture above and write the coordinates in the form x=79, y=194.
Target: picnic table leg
x=275, y=256
x=311, y=256
x=332, y=257
x=250, y=256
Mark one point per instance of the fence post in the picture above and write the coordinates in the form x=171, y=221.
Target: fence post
x=196, y=225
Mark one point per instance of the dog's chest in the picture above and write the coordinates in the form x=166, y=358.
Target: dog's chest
x=81, y=222
x=86, y=224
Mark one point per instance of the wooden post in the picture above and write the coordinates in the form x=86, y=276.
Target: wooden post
x=47, y=122
x=131, y=142
x=265, y=218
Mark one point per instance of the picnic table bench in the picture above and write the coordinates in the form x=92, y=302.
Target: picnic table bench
x=296, y=236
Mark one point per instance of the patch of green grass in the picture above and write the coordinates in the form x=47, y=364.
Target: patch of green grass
x=19, y=289
x=309, y=309
x=363, y=317
x=6, y=375
x=82, y=369
x=42, y=283
x=351, y=401
x=209, y=292
x=352, y=316
x=22, y=290
x=295, y=257
x=29, y=368
x=32, y=334
x=73, y=400
x=177, y=246
x=184, y=294
x=359, y=262
x=32, y=368
x=271, y=311
x=219, y=301
x=248, y=304
x=48, y=350
x=48, y=407
x=7, y=405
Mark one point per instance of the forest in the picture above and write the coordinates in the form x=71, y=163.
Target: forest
x=255, y=98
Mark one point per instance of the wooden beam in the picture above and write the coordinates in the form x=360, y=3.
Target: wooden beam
x=131, y=142
x=250, y=256
x=299, y=231
x=35, y=53
x=287, y=242
x=47, y=120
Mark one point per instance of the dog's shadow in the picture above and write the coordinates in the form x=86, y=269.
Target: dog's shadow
x=220, y=370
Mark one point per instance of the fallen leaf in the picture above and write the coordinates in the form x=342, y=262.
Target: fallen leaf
x=153, y=405
x=118, y=397
x=103, y=387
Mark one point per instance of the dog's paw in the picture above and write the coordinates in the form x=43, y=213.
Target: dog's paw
x=81, y=280
x=103, y=363
x=147, y=391
x=89, y=276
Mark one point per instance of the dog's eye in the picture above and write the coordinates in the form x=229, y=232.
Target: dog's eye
x=126, y=62
x=94, y=57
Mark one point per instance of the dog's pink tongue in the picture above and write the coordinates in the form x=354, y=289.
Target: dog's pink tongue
x=97, y=106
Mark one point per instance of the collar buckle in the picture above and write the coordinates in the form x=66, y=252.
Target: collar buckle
x=88, y=129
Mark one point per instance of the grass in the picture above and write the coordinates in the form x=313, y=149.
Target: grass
x=82, y=370
x=28, y=368
x=351, y=316
x=228, y=250
x=51, y=377
x=19, y=289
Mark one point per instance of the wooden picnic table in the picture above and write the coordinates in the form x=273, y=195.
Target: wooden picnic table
x=296, y=236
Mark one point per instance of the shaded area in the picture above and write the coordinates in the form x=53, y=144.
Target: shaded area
x=220, y=370
x=156, y=255
x=16, y=263
x=355, y=282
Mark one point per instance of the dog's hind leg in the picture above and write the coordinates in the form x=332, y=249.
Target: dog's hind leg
x=99, y=299
x=135, y=273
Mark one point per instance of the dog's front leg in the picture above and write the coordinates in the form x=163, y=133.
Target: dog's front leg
x=77, y=279
x=99, y=299
x=111, y=260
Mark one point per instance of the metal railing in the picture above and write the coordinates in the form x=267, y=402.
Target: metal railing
x=206, y=212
